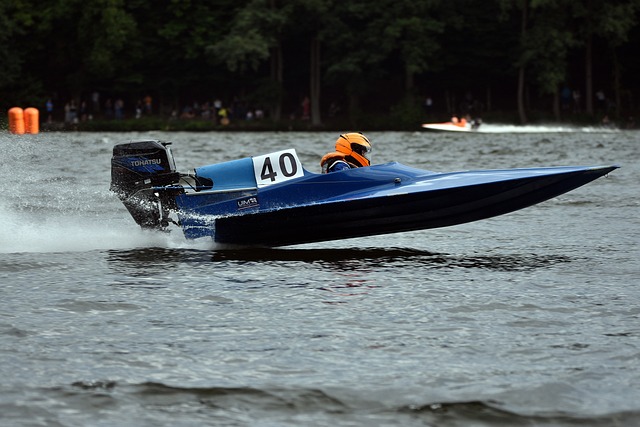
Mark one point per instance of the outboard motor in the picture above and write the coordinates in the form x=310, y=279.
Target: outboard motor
x=143, y=175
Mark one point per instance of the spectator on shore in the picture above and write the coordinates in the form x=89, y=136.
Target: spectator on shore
x=95, y=102
x=205, y=112
x=576, y=101
x=565, y=97
x=139, y=109
x=187, y=113
x=148, y=104
x=428, y=105
x=49, y=108
x=217, y=105
x=306, y=108
x=223, y=115
x=119, y=109
x=601, y=100
x=108, y=109
x=71, y=112
x=84, y=111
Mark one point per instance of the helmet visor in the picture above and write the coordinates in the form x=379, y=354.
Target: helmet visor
x=363, y=150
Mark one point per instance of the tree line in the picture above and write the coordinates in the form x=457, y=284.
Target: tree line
x=358, y=59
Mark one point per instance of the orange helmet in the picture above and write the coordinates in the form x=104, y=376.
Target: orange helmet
x=356, y=147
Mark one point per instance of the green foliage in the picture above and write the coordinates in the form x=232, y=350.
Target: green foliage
x=547, y=43
x=407, y=114
x=15, y=21
x=105, y=28
x=240, y=51
x=614, y=20
x=413, y=29
x=380, y=50
x=256, y=28
x=266, y=92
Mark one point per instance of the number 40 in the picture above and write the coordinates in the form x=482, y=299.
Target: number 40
x=288, y=170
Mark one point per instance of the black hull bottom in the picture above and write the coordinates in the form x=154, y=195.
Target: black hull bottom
x=392, y=214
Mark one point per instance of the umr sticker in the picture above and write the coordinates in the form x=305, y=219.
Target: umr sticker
x=249, y=202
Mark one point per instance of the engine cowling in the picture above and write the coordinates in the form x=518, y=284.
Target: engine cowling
x=144, y=176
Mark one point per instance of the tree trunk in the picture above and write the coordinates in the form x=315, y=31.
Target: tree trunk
x=276, y=75
x=588, y=77
x=521, y=110
x=487, y=106
x=408, y=81
x=556, y=105
x=315, y=82
x=617, y=89
x=354, y=109
x=588, y=62
x=447, y=102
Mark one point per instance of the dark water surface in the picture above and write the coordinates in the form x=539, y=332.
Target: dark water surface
x=529, y=319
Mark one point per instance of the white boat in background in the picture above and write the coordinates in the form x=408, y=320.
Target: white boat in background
x=455, y=125
x=447, y=127
x=478, y=126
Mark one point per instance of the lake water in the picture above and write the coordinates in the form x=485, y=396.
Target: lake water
x=531, y=318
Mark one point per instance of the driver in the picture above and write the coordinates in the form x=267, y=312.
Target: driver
x=352, y=151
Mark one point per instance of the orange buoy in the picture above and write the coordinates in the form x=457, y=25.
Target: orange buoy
x=31, y=120
x=16, y=120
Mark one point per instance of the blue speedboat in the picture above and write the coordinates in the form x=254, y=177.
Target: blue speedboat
x=271, y=200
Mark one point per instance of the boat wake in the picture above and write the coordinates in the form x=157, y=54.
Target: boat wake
x=75, y=233
x=55, y=208
x=503, y=128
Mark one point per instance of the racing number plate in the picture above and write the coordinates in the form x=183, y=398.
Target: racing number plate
x=277, y=167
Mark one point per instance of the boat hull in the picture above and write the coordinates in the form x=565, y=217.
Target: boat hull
x=404, y=199
x=272, y=200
